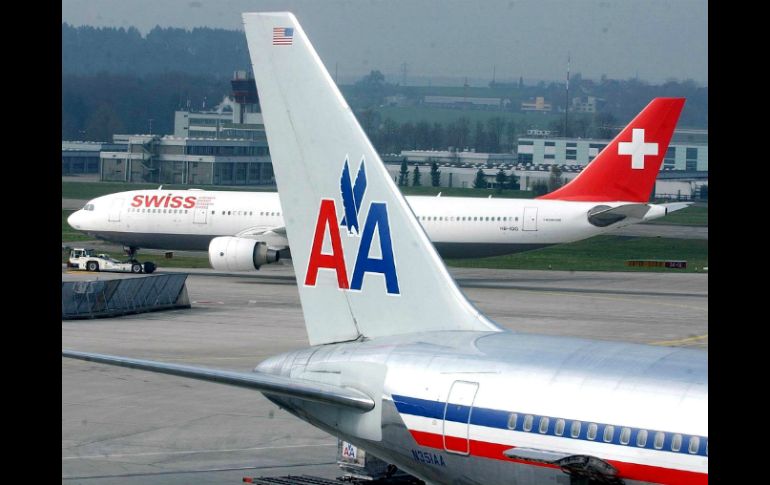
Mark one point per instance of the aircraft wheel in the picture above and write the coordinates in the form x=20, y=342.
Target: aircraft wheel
x=136, y=268
x=92, y=266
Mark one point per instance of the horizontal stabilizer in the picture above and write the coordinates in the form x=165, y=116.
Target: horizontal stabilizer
x=267, y=383
x=675, y=206
x=604, y=215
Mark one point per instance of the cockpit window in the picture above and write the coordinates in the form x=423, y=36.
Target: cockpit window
x=88, y=207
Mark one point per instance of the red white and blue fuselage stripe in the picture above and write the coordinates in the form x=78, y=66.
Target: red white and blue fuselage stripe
x=493, y=431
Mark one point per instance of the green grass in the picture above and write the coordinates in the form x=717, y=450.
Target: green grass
x=68, y=233
x=89, y=190
x=689, y=216
x=460, y=192
x=601, y=253
x=432, y=115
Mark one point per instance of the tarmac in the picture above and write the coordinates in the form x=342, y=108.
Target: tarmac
x=127, y=426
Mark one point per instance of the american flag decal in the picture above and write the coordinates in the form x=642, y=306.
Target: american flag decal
x=283, y=35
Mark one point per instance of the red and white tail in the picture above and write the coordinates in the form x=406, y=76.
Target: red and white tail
x=626, y=169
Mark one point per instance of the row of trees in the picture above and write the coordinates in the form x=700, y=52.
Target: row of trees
x=389, y=136
x=403, y=175
x=503, y=181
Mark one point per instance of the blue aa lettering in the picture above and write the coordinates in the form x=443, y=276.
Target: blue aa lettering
x=376, y=219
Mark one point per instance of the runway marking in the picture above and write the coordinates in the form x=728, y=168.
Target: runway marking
x=191, y=452
x=681, y=341
x=606, y=297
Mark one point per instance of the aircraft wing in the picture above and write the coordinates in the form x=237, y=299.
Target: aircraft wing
x=585, y=466
x=266, y=383
x=262, y=231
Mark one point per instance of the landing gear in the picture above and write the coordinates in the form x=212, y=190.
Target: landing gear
x=131, y=252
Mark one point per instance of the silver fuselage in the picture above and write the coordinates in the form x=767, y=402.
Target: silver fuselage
x=630, y=387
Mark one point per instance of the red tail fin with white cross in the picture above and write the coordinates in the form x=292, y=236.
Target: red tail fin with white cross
x=627, y=168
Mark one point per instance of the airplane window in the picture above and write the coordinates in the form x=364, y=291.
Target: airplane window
x=228, y=213
x=592, y=429
x=528, y=422
x=498, y=218
x=164, y=211
x=185, y=211
x=249, y=212
x=559, y=427
x=512, y=420
x=279, y=213
x=625, y=435
x=486, y=218
x=641, y=438
x=223, y=212
x=676, y=442
x=575, y=429
x=474, y=218
x=272, y=214
x=262, y=213
x=609, y=431
x=544, y=425
x=694, y=444
x=441, y=218
x=505, y=218
x=212, y=212
x=660, y=437
x=516, y=219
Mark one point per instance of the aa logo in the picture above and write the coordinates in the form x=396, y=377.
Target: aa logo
x=375, y=221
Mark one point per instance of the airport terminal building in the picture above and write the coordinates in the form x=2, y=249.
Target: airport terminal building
x=223, y=146
x=687, y=151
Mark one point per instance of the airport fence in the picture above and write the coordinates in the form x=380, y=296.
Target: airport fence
x=109, y=298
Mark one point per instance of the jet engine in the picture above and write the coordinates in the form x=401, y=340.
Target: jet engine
x=240, y=254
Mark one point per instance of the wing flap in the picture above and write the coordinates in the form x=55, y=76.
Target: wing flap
x=266, y=383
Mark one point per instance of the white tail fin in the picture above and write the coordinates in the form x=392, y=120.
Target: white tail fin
x=364, y=266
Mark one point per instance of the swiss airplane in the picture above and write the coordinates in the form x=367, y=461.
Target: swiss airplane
x=401, y=364
x=244, y=230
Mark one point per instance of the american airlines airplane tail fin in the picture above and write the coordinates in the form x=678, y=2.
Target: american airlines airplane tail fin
x=627, y=168
x=365, y=268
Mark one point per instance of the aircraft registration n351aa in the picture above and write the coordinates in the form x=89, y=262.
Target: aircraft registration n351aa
x=401, y=364
x=244, y=230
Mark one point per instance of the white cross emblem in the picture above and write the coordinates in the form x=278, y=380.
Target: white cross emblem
x=637, y=148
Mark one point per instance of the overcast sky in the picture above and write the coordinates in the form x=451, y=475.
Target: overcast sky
x=652, y=39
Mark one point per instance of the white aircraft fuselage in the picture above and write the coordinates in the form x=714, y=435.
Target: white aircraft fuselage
x=459, y=227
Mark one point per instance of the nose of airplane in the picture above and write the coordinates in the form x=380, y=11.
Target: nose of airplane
x=76, y=219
